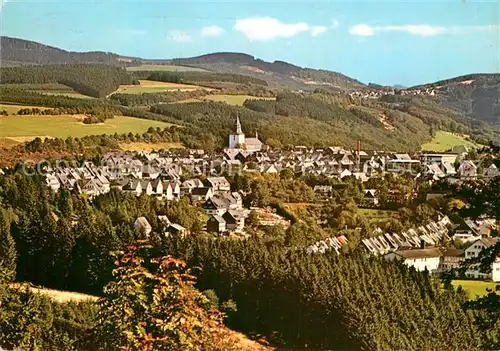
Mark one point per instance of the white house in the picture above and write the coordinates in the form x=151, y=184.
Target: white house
x=495, y=270
x=467, y=169
x=420, y=259
x=142, y=224
x=473, y=251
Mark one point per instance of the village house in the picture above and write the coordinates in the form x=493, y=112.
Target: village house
x=467, y=170
x=323, y=191
x=176, y=229
x=235, y=220
x=215, y=206
x=450, y=259
x=474, y=250
x=420, y=259
x=216, y=224
x=143, y=225
x=134, y=186
x=171, y=190
x=370, y=197
x=218, y=184
x=201, y=194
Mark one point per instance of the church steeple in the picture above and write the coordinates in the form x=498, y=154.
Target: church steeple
x=238, y=125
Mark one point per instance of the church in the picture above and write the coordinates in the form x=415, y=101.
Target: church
x=238, y=141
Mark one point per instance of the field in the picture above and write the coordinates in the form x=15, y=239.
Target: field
x=443, y=141
x=474, y=287
x=228, y=99
x=57, y=295
x=141, y=146
x=50, y=89
x=168, y=68
x=23, y=128
x=149, y=86
x=12, y=109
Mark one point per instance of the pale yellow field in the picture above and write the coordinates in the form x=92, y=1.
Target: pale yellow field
x=228, y=99
x=142, y=146
x=57, y=295
x=149, y=86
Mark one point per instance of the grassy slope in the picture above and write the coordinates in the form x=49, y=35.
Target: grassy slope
x=443, y=141
x=168, y=68
x=64, y=126
x=149, y=86
x=228, y=99
x=475, y=287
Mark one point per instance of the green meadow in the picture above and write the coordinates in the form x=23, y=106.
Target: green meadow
x=444, y=141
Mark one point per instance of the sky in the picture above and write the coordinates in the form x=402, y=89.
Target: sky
x=393, y=42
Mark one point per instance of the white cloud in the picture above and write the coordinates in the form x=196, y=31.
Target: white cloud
x=317, y=30
x=423, y=30
x=335, y=23
x=363, y=30
x=268, y=28
x=211, y=31
x=180, y=36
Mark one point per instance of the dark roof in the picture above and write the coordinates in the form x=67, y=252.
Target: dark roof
x=452, y=252
x=419, y=253
x=200, y=191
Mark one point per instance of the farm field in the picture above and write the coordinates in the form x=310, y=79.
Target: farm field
x=168, y=68
x=12, y=109
x=149, y=86
x=24, y=128
x=142, y=146
x=443, y=141
x=474, y=287
x=228, y=99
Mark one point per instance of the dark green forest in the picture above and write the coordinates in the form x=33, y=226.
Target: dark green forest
x=93, y=80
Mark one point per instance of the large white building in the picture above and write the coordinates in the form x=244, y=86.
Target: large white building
x=420, y=259
x=473, y=251
x=238, y=141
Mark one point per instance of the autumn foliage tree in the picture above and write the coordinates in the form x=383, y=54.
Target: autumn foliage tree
x=152, y=305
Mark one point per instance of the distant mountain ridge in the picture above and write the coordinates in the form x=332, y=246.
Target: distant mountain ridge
x=283, y=73
x=15, y=52
x=477, y=95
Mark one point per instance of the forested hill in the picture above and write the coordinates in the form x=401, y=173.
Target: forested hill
x=277, y=72
x=16, y=51
x=477, y=95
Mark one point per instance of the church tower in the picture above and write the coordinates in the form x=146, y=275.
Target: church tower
x=238, y=138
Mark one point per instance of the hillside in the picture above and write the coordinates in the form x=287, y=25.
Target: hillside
x=277, y=73
x=476, y=95
x=15, y=52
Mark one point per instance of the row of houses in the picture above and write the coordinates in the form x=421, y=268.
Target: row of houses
x=431, y=234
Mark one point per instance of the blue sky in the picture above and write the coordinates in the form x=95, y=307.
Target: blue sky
x=383, y=42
